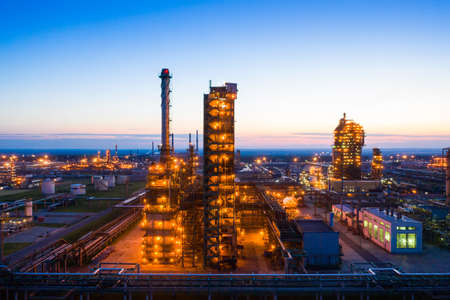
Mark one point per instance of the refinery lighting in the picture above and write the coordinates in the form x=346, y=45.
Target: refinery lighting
x=348, y=143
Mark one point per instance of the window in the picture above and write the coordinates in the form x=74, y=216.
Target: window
x=411, y=228
x=401, y=228
x=411, y=240
x=401, y=240
x=370, y=228
x=381, y=236
x=387, y=236
x=365, y=223
x=375, y=231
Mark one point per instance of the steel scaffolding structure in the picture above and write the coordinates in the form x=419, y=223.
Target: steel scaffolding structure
x=218, y=181
x=163, y=232
x=377, y=164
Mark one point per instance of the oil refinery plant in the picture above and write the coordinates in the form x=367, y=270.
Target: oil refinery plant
x=220, y=224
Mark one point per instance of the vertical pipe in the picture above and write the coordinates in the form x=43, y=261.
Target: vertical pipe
x=196, y=141
x=165, y=113
x=172, y=150
x=447, y=179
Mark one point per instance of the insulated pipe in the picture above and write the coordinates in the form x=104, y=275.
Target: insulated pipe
x=447, y=179
x=165, y=114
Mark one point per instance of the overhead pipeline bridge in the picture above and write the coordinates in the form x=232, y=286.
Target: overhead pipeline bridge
x=116, y=281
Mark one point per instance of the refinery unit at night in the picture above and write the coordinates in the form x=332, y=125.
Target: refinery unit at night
x=220, y=222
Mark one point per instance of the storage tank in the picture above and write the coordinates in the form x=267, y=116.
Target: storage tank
x=78, y=189
x=100, y=184
x=29, y=209
x=48, y=186
x=123, y=179
x=111, y=179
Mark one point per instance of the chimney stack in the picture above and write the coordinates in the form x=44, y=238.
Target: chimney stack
x=165, y=114
x=447, y=178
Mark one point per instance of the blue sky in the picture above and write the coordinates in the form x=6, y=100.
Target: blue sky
x=88, y=70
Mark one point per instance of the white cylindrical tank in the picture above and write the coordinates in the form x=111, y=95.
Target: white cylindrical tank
x=78, y=189
x=111, y=179
x=123, y=179
x=48, y=186
x=100, y=184
x=29, y=209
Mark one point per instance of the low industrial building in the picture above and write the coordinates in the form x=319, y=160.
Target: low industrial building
x=393, y=232
x=354, y=186
x=348, y=216
x=320, y=243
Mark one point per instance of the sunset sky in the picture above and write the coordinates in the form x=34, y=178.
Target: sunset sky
x=82, y=75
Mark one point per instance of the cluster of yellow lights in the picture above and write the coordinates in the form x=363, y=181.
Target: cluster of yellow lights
x=318, y=180
x=161, y=220
x=44, y=161
x=99, y=162
x=348, y=142
x=438, y=163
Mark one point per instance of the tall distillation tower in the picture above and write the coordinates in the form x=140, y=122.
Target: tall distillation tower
x=165, y=115
x=347, y=148
x=377, y=164
x=162, y=220
x=220, y=236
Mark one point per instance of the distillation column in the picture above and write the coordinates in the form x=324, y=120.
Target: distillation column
x=376, y=172
x=165, y=116
x=161, y=243
x=218, y=180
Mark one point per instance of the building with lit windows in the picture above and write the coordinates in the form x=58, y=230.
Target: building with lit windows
x=393, y=232
x=348, y=143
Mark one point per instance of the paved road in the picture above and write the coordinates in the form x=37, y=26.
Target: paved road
x=361, y=251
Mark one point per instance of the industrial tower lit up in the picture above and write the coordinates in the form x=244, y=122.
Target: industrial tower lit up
x=165, y=116
x=161, y=243
x=348, y=143
x=219, y=189
x=377, y=164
